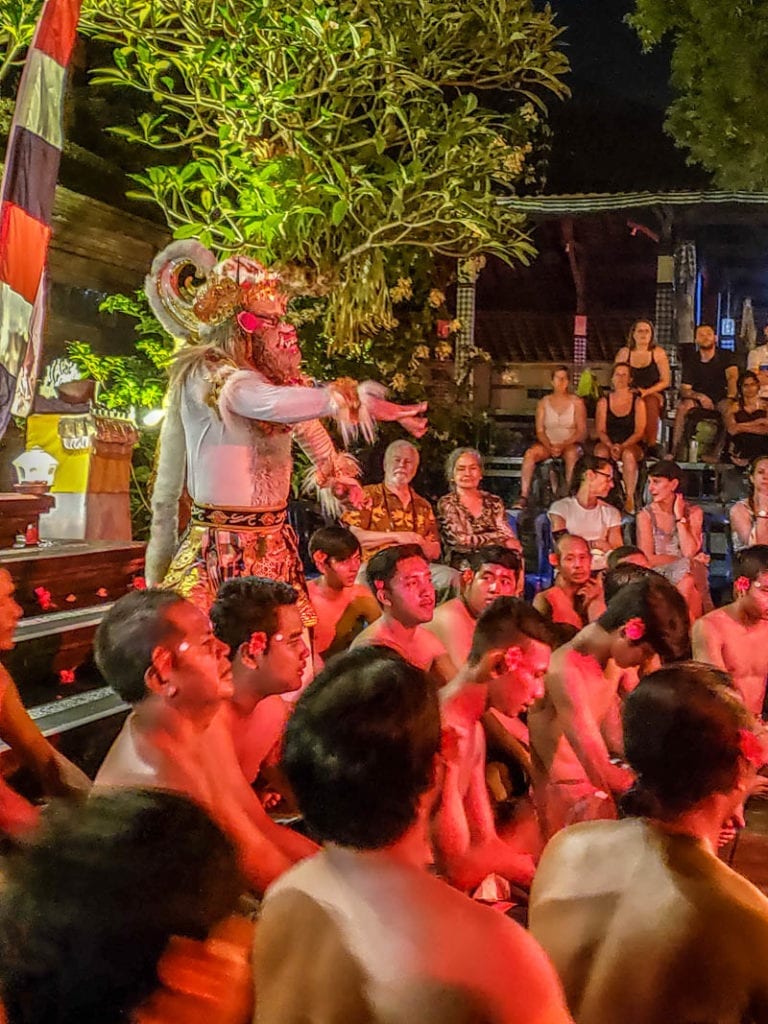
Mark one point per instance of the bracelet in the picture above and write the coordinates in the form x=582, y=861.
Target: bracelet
x=683, y=520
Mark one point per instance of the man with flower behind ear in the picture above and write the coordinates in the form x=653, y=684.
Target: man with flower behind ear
x=735, y=637
x=574, y=778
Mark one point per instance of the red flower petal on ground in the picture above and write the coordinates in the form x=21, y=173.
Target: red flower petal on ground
x=102, y=592
x=43, y=598
x=70, y=598
x=139, y=583
x=66, y=676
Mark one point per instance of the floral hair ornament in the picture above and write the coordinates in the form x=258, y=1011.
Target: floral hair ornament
x=379, y=586
x=634, y=629
x=257, y=644
x=751, y=748
x=742, y=585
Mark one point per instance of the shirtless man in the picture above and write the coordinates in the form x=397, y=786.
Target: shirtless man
x=574, y=778
x=735, y=637
x=341, y=604
x=400, y=579
x=575, y=592
x=510, y=654
x=159, y=653
x=643, y=922
x=363, y=932
x=488, y=573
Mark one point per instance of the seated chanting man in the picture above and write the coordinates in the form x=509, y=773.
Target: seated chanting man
x=362, y=932
x=510, y=654
x=159, y=653
x=342, y=605
x=642, y=921
x=487, y=573
x=576, y=596
x=402, y=584
x=574, y=778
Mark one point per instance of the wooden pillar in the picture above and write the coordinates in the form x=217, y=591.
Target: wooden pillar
x=578, y=273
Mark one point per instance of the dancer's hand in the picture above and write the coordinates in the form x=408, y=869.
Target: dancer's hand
x=390, y=412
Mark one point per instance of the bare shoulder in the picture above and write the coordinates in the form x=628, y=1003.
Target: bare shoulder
x=622, y=356
x=367, y=636
x=432, y=643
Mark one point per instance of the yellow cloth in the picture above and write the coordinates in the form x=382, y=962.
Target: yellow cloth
x=72, y=472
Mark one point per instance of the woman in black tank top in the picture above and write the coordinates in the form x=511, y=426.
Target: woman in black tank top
x=651, y=375
x=620, y=424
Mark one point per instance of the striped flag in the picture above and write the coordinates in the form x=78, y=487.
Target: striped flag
x=26, y=203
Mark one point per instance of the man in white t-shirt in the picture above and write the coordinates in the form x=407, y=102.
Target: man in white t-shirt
x=757, y=361
x=587, y=514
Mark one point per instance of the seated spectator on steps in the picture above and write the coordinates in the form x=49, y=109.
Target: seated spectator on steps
x=670, y=534
x=159, y=653
x=510, y=654
x=626, y=554
x=470, y=518
x=112, y=906
x=55, y=775
x=576, y=592
x=749, y=517
x=574, y=778
x=363, y=932
x=757, y=362
x=746, y=422
x=486, y=573
x=342, y=605
x=401, y=582
x=561, y=429
x=586, y=514
x=620, y=425
x=651, y=375
x=708, y=379
x=641, y=919
x=259, y=621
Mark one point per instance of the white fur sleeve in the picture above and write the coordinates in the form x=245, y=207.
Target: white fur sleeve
x=247, y=394
x=169, y=482
x=330, y=467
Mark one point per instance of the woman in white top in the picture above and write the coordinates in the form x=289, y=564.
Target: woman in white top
x=586, y=514
x=561, y=427
x=749, y=518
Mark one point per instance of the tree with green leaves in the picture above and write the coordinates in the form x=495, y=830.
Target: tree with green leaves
x=334, y=137
x=17, y=26
x=720, y=112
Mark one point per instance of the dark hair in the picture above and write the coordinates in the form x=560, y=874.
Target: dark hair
x=128, y=634
x=560, y=368
x=246, y=605
x=90, y=901
x=624, y=551
x=666, y=469
x=453, y=458
x=620, y=575
x=705, y=324
x=508, y=622
x=740, y=385
x=681, y=737
x=750, y=562
x=360, y=746
x=623, y=362
x=586, y=464
x=662, y=609
x=383, y=565
x=334, y=541
x=492, y=554
x=631, y=335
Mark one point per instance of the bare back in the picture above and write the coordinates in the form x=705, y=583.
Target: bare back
x=454, y=627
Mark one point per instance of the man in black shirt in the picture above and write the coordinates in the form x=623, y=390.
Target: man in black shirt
x=709, y=379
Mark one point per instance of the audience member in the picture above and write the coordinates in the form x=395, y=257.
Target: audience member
x=620, y=426
x=749, y=517
x=401, y=582
x=574, y=776
x=746, y=421
x=470, y=518
x=159, y=653
x=259, y=621
x=561, y=429
x=627, y=553
x=362, y=932
x=651, y=375
x=732, y=637
x=586, y=514
x=342, y=605
x=641, y=919
x=487, y=573
x=670, y=534
x=510, y=654
x=120, y=909
x=709, y=378
x=757, y=362
x=576, y=592
x=393, y=513
x=55, y=775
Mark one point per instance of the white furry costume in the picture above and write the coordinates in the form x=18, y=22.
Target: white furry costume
x=228, y=433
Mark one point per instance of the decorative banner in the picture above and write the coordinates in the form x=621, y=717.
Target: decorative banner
x=26, y=203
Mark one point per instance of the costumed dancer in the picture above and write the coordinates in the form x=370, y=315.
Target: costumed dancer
x=237, y=399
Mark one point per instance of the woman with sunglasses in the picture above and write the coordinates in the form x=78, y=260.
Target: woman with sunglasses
x=586, y=513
